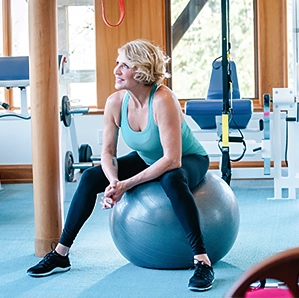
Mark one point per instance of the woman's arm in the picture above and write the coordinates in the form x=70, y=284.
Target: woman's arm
x=110, y=136
x=109, y=146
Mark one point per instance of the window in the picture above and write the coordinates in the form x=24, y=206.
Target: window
x=76, y=26
x=194, y=53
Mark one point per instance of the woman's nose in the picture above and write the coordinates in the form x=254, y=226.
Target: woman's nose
x=117, y=69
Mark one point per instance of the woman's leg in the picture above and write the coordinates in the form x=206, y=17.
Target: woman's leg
x=178, y=185
x=92, y=182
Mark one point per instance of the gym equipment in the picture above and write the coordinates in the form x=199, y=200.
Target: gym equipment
x=82, y=159
x=285, y=114
x=67, y=112
x=14, y=73
x=204, y=112
x=286, y=180
x=223, y=99
x=121, y=4
x=146, y=231
x=85, y=161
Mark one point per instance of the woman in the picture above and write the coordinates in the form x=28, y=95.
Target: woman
x=164, y=149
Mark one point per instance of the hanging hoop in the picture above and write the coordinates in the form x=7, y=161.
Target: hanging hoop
x=122, y=14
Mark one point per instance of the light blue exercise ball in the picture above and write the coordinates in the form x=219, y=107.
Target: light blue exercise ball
x=147, y=232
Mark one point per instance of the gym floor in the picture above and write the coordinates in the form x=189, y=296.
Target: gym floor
x=99, y=270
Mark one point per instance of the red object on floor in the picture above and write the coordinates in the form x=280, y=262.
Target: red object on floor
x=268, y=293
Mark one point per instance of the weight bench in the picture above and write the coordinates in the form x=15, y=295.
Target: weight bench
x=14, y=73
x=204, y=112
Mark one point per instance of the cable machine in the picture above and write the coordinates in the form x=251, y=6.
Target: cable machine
x=226, y=86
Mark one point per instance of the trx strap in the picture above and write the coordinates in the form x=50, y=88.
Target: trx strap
x=121, y=17
x=226, y=82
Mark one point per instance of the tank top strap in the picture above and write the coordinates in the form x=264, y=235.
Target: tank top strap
x=124, y=108
x=150, y=101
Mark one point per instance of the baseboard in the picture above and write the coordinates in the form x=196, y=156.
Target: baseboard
x=14, y=174
x=241, y=164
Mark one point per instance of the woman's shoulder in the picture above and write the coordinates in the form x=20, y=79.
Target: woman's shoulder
x=161, y=88
x=116, y=96
x=166, y=101
x=165, y=94
x=114, y=102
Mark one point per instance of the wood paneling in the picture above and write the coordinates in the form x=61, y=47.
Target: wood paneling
x=272, y=46
x=143, y=19
x=10, y=174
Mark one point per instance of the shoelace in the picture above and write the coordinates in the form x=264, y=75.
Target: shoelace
x=53, y=245
x=199, y=271
x=46, y=259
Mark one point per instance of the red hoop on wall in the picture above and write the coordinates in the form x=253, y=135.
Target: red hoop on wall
x=121, y=4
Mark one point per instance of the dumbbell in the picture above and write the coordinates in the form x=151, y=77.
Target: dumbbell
x=66, y=111
x=86, y=160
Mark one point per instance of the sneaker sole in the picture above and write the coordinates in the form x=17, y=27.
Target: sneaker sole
x=55, y=270
x=201, y=289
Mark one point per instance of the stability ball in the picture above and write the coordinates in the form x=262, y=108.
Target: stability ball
x=147, y=232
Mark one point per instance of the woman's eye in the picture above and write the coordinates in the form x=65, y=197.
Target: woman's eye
x=123, y=65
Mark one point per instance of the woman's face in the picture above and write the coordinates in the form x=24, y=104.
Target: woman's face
x=124, y=75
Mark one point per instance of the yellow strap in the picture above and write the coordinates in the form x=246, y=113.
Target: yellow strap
x=225, y=130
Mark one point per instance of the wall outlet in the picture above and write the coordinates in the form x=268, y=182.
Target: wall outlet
x=100, y=136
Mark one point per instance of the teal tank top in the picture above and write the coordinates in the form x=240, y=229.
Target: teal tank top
x=147, y=142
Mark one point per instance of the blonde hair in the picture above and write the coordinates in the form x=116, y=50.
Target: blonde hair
x=148, y=60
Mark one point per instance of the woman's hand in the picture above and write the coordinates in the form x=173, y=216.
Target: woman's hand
x=113, y=193
x=107, y=203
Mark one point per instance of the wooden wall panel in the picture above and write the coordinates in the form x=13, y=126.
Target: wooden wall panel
x=272, y=46
x=143, y=19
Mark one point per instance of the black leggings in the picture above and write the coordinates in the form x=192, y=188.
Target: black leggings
x=177, y=185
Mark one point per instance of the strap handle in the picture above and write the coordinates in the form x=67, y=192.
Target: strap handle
x=121, y=4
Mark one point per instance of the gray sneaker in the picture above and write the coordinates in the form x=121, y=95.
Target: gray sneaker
x=51, y=263
x=202, y=278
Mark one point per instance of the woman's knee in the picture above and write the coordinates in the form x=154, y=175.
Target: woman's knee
x=174, y=177
x=93, y=174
